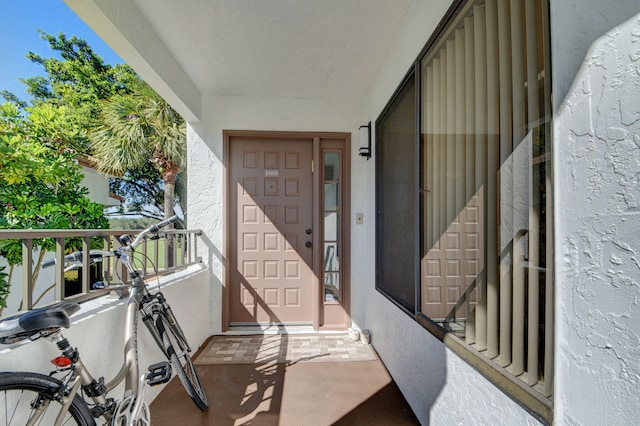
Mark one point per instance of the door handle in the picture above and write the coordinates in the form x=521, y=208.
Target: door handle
x=308, y=244
x=308, y=231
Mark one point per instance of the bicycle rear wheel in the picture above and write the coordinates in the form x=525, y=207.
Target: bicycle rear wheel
x=178, y=352
x=33, y=399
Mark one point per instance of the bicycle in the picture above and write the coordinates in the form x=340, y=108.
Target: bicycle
x=28, y=398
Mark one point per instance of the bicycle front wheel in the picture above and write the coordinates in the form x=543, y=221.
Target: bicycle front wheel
x=35, y=399
x=178, y=352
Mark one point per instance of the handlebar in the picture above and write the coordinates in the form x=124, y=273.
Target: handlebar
x=152, y=229
x=76, y=256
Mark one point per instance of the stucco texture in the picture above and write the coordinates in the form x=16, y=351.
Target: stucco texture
x=597, y=165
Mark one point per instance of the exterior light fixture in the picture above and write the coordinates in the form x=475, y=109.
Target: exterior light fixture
x=365, y=151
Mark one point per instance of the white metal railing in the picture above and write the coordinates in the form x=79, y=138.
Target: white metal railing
x=153, y=254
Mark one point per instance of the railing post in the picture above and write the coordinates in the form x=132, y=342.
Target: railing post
x=26, y=238
x=187, y=248
x=59, y=282
x=181, y=240
x=106, y=271
x=86, y=266
x=195, y=248
x=27, y=273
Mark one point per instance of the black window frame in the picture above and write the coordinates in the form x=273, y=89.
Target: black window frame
x=385, y=284
x=537, y=406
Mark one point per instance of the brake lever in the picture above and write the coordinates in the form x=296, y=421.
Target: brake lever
x=72, y=266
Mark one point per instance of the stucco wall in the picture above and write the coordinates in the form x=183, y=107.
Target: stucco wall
x=205, y=159
x=595, y=76
x=98, y=186
x=441, y=388
x=97, y=331
x=596, y=80
x=433, y=379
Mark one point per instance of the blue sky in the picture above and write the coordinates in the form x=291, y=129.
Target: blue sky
x=19, y=21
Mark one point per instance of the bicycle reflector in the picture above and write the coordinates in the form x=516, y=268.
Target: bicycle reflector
x=61, y=362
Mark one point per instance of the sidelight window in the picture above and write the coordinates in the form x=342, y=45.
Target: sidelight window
x=332, y=212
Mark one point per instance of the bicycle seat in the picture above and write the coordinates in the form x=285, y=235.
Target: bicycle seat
x=22, y=326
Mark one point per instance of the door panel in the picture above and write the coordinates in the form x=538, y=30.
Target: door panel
x=271, y=218
x=452, y=265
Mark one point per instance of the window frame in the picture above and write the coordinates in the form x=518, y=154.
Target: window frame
x=536, y=404
x=409, y=78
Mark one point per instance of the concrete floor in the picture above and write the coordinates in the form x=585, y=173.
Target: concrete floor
x=270, y=390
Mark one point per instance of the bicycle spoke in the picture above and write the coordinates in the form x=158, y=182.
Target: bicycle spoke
x=29, y=399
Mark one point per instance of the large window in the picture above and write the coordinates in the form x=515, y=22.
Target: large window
x=396, y=178
x=484, y=188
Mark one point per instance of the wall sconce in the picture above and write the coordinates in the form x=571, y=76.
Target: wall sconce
x=365, y=151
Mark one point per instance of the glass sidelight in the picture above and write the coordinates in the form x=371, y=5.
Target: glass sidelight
x=331, y=228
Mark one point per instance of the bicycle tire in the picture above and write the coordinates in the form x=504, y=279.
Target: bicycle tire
x=178, y=352
x=21, y=391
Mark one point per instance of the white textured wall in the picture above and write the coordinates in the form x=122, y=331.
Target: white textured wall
x=596, y=62
x=596, y=157
x=98, y=186
x=440, y=387
x=97, y=331
x=205, y=160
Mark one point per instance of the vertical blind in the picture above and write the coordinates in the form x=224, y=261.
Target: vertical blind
x=486, y=182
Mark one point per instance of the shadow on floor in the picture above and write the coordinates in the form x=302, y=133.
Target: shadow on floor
x=302, y=393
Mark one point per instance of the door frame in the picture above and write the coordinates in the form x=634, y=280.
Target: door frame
x=316, y=138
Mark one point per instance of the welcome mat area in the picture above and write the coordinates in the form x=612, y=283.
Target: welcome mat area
x=284, y=348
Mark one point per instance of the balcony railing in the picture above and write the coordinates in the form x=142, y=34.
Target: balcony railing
x=174, y=250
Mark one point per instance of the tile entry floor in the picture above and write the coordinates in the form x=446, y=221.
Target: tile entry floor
x=284, y=348
x=281, y=380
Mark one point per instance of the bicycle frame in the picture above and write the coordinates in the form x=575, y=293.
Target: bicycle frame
x=129, y=371
x=139, y=299
x=130, y=368
x=158, y=319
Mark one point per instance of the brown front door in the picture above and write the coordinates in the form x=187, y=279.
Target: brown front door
x=271, y=277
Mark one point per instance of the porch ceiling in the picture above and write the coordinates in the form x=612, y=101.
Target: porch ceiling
x=282, y=48
x=262, y=48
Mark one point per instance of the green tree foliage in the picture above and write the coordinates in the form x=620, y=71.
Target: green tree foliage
x=135, y=134
x=4, y=288
x=79, y=79
x=141, y=186
x=137, y=129
x=39, y=180
x=131, y=222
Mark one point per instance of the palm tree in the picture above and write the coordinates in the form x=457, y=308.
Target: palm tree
x=136, y=128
